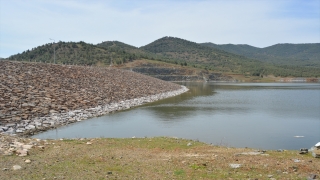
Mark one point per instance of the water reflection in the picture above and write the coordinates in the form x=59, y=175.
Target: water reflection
x=196, y=89
x=171, y=113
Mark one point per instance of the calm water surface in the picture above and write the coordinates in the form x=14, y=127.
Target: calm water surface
x=257, y=115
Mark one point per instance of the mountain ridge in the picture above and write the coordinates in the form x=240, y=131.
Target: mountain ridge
x=306, y=54
x=177, y=50
x=208, y=56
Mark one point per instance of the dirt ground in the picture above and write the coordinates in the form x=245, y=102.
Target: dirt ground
x=149, y=158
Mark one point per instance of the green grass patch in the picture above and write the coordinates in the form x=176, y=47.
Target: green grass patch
x=179, y=172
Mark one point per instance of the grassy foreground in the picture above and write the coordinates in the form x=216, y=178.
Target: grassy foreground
x=152, y=158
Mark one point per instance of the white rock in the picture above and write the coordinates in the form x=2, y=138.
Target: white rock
x=19, y=130
x=7, y=153
x=30, y=127
x=296, y=160
x=16, y=167
x=235, y=165
x=28, y=161
x=27, y=146
x=22, y=152
x=4, y=128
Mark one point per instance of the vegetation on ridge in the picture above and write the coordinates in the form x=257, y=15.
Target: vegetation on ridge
x=307, y=55
x=185, y=53
x=201, y=56
x=79, y=53
x=138, y=52
x=179, y=50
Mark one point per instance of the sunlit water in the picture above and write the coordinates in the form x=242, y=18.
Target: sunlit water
x=257, y=115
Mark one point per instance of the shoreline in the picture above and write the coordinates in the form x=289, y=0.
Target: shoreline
x=27, y=128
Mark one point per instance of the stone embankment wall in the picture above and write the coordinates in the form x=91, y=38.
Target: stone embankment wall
x=38, y=96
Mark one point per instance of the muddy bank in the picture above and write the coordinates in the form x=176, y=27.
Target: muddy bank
x=37, y=96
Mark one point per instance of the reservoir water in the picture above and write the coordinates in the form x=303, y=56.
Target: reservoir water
x=256, y=115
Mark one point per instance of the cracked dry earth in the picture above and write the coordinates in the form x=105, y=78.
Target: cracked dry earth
x=153, y=158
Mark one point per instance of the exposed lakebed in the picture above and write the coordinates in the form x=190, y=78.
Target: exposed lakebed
x=257, y=115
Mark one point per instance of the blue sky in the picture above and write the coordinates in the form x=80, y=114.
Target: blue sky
x=261, y=23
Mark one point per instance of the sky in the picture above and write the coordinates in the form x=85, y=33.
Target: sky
x=26, y=24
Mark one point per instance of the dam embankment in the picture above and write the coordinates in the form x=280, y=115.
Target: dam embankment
x=37, y=96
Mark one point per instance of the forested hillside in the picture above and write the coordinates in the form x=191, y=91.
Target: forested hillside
x=190, y=53
x=182, y=51
x=307, y=55
x=244, y=59
x=137, y=52
x=80, y=53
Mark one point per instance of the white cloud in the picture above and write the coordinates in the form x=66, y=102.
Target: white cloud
x=27, y=24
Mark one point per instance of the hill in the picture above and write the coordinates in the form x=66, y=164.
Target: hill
x=79, y=53
x=177, y=50
x=138, y=53
x=117, y=44
x=307, y=55
x=186, y=52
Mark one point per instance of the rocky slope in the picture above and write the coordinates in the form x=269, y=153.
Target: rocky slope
x=38, y=96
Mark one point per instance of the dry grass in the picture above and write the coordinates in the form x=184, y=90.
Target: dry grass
x=152, y=158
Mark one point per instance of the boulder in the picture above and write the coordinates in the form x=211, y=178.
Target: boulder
x=27, y=146
x=235, y=166
x=22, y=152
x=303, y=151
x=315, y=150
x=16, y=167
